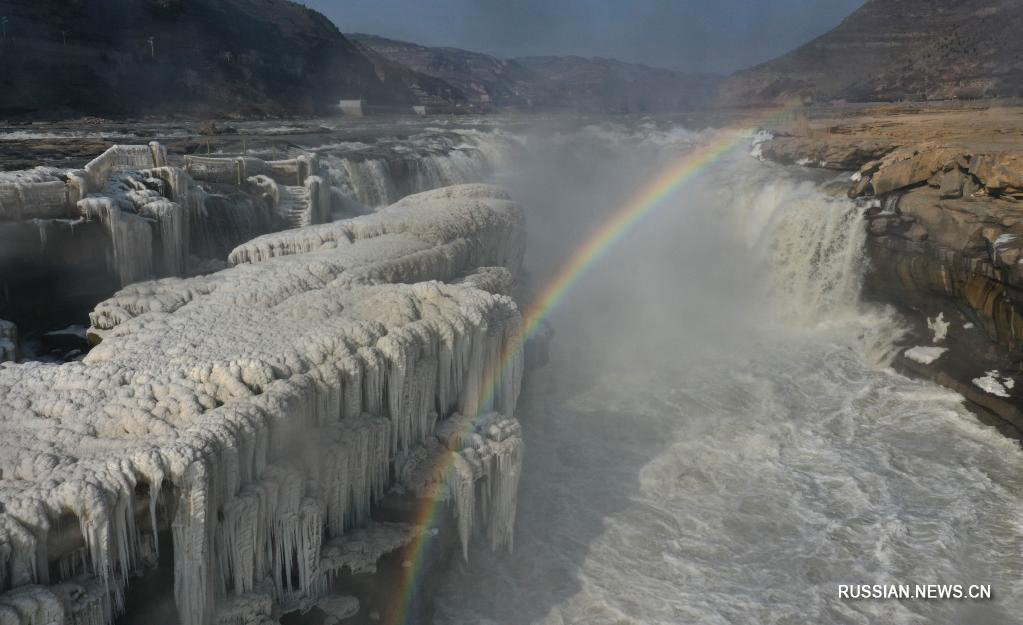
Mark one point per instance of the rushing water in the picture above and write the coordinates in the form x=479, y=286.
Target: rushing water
x=718, y=439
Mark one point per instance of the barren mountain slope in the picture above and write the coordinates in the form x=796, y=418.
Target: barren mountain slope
x=899, y=49
x=134, y=57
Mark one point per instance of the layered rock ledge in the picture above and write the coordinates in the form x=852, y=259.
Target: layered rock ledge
x=251, y=421
x=945, y=240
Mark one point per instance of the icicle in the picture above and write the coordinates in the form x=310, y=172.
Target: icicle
x=274, y=397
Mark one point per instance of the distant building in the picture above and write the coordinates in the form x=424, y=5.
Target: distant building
x=351, y=108
x=419, y=110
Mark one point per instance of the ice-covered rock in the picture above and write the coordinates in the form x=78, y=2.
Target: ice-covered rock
x=474, y=463
x=261, y=408
x=339, y=607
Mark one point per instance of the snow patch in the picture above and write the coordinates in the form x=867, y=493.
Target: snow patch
x=939, y=327
x=1004, y=240
x=995, y=383
x=924, y=355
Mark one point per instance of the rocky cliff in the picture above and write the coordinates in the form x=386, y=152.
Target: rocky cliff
x=551, y=83
x=892, y=50
x=203, y=57
x=941, y=193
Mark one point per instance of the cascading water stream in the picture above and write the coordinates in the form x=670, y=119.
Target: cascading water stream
x=718, y=439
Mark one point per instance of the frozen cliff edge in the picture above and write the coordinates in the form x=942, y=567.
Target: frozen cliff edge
x=259, y=412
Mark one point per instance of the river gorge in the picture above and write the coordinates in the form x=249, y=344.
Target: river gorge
x=713, y=425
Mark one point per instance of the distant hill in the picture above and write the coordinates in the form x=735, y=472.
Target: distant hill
x=891, y=50
x=608, y=85
x=478, y=77
x=548, y=83
x=135, y=57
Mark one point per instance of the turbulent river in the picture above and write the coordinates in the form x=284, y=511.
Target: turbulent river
x=718, y=438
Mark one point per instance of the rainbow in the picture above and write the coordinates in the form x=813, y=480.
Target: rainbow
x=621, y=222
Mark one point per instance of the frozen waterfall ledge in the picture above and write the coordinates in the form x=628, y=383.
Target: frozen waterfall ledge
x=255, y=417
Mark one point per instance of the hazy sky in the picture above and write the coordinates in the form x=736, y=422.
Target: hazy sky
x=693, y=35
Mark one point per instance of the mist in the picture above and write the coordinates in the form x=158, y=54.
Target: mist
x=699, y=369
x=675, y=283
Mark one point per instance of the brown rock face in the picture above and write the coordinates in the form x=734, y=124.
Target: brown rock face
x=955, y=173
x=836, y=153
x=909, y=167
x=951, y=184
x=890, y=50
x=946, y=237
x=1001, y=173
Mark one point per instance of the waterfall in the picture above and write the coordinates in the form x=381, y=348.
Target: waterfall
x=811, y=242
x=366, y=177
x=713, y=441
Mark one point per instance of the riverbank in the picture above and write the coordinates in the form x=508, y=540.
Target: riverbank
x=941, y=188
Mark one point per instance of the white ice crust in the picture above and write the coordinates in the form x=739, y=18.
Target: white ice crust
x=260, y=410
x=995, y=383
x=939, y=327
x=925, y=355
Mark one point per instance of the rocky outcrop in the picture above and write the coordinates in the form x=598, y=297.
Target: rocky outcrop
x=174, y=57
x=944, y=220
x=956, y=173
x=945, y=241
x=891, y=50
x=839, y=154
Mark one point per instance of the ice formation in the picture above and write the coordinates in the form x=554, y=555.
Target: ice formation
x=148, y=232
x=156, y=214
x=259, y=410
x=368, y=176
x=488, y=452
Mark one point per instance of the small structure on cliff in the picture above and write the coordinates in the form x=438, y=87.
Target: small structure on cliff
x=351, y=108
